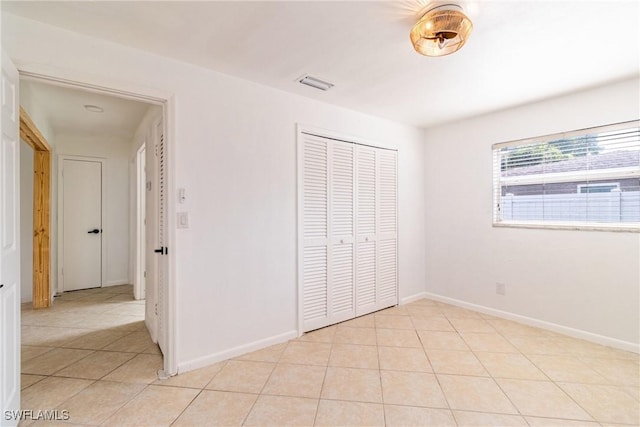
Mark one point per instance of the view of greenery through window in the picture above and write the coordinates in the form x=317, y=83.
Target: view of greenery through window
x=553, y=151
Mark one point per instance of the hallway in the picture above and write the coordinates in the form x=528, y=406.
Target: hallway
x=86, y=336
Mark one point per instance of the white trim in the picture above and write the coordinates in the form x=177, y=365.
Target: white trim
x=550, y=326
x=171, y=356
x=116, y=283
x=342, y=136
x=630, y=227
x=615, y=186
x=575, y=176
x=60, y=197
x=99, y=86
x=235, y=351
x=299, y=223
x=414, y=297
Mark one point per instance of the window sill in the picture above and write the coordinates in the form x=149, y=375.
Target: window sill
x=626, y=228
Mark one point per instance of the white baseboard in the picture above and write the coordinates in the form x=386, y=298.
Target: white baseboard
x=565, y=330
x=235, y=351
x=412, y=298
x=116, y=283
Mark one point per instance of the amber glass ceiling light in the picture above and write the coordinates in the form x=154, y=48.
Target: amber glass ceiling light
x=443, y=29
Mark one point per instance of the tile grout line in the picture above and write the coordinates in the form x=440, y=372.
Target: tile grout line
x=186, y=406
x=244, y=420
x=326, y=370
x=491, y=376
x=543, y=372
x=384, y=406
x=437, y=380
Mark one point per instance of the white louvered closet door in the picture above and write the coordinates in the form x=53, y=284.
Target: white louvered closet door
x=342, y=227
x=366, y=226
x=328, y=228
x=348, y=255
x=315, y=229
x=387, y=229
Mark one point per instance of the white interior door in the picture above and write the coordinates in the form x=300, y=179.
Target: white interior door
x=387, y=229
x=342, y=231
x=151, y=214
x=161, y=250
x=366, y=225
x=81, y=224
x=328, y=227
x=10, y=247
x=156, y=250
x=314, y=187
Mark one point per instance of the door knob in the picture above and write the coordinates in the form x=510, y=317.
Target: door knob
x=94, y=231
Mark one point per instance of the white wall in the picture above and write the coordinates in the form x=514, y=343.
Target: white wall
x=26, y=222
x=234, y=151
x=28, y=101
x=116, y=224
x=585, y=280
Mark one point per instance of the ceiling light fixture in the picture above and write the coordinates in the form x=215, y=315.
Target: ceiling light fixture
x=94, y=108
x=317, y=83
x=441, y=30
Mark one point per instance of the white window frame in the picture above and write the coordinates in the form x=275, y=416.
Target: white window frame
x=591, y=175
x=615, y=186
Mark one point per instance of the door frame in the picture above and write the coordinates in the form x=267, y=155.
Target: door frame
x=101, y=84
x=139, y=274
x=30, y=134
x=103, y=213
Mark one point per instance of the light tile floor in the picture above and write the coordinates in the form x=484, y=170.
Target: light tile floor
x=425, y=363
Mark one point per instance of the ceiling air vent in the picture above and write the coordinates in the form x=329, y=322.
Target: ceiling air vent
x=317, y=83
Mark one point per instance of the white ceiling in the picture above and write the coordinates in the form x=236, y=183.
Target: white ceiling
x=519, y=51
x=64, y=110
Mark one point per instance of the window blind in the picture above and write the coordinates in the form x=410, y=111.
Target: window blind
x=585, y=178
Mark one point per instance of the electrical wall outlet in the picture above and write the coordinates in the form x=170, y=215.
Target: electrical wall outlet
x=501, y=288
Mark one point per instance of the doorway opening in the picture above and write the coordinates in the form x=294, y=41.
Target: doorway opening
x=36, y=154
x=82, y=210
x=103, y=186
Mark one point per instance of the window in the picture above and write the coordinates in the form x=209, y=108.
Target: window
x=582, y=179
x=598, y=188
